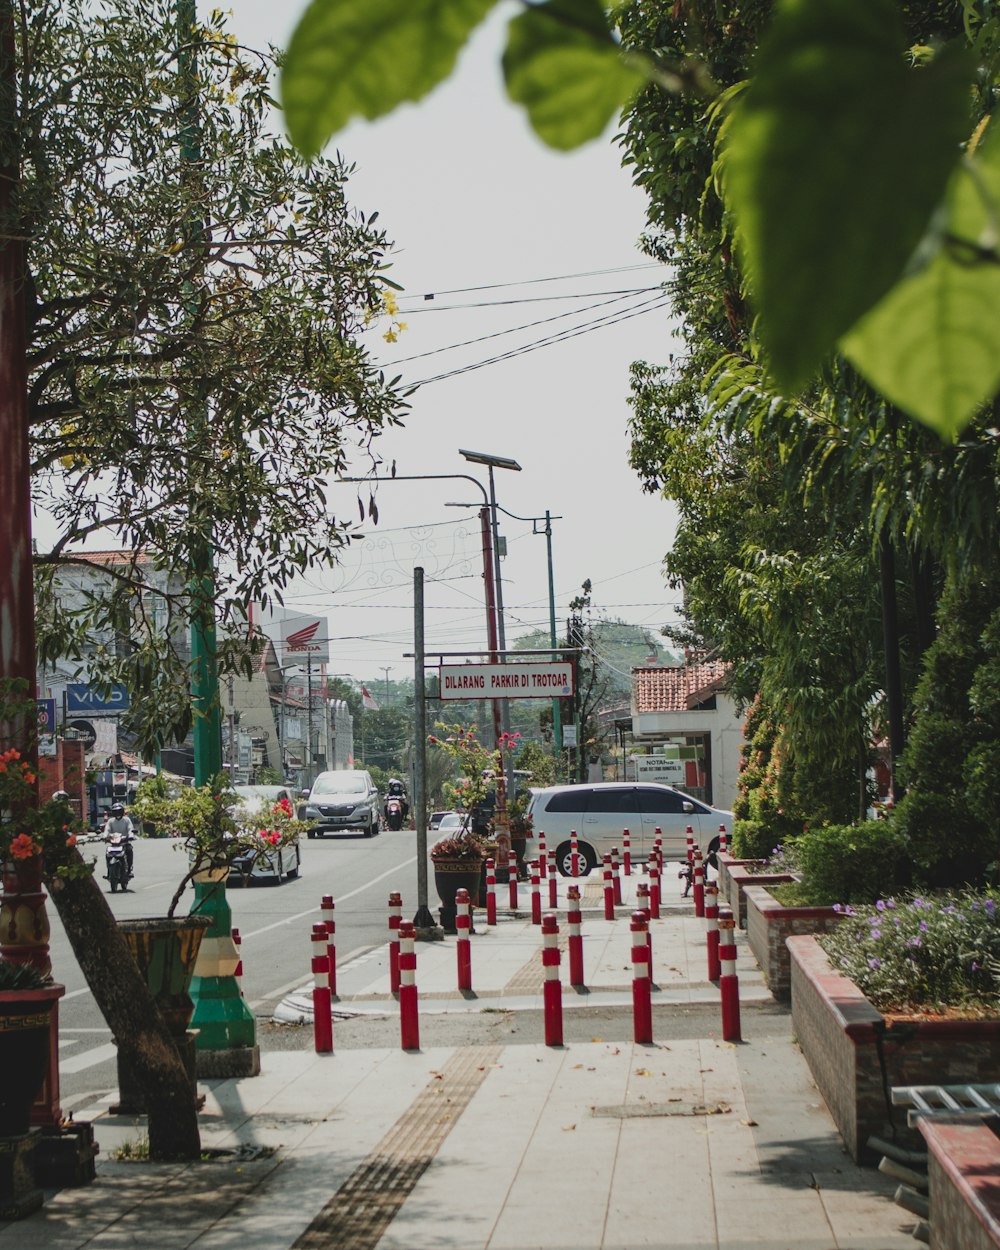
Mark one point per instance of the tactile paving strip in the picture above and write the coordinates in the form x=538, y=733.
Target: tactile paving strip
x=362, y=1209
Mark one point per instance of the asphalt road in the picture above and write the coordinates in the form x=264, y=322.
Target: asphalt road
x=275, y=923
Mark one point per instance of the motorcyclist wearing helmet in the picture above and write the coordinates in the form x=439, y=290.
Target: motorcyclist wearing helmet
x=395, y=790
x=120, y=824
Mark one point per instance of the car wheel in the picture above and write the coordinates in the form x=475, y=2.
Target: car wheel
x=564, y=858
x=294, y=872
x=311, y=833
x=368, y=829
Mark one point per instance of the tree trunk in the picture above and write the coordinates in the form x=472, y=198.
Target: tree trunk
x=893, y=674
x=137, y=1027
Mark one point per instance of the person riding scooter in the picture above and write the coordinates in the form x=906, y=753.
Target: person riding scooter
x=395, y=790
x=119, y=824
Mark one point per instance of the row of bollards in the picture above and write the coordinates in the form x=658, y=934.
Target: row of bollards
x=720, y=935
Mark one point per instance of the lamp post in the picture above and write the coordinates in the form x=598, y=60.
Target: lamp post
x=498, y=462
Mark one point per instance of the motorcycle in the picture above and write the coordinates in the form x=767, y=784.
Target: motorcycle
x=116, y=862
x=394, y=813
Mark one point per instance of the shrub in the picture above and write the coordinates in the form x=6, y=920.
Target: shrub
x=752, y=839
x=852, y=863
x=919, y=954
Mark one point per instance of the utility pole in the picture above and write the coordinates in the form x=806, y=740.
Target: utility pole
x=387, y=669
x=423, y=921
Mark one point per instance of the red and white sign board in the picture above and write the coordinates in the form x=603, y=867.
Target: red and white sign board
x=506, y=681
x=305, y=636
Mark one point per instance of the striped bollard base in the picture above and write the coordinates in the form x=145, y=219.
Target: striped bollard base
x=574, y=855
x=642, y=904
x=553, y=880
x=626, y=853
x=642, y=1005
x=463, y=923
x=512, y=880
x=699, y=884
x=616, y=880
x=552, y=990
x=543, y=856
x=729, y=986
x=322, y=1009
x=712, y=930
x=653, y=869
x=395, y=920
x=491, y=892
x=409, y=1024
x=536, y=896
x=723, y=839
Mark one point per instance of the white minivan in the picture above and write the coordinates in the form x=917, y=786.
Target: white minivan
x=600, y=812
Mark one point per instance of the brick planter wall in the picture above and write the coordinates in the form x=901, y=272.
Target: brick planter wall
x=726, y=862
x=964, y=1173
x=739, y=878
x=769, y=923
x=838, y=1029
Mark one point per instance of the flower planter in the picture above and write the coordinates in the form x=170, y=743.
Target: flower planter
x=450, y=876
x=726, y=862
x=769, y=923
x=25, y=1020
x=741, y=876
x=846, y=1041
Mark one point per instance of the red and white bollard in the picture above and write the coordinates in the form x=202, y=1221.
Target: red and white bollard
x=395, y=920
x=574, y=918
x=699, y=883
x=409, y=1024
x=658, y=847
x=491, y=892
x=626, y=853
x=238, y=974
x=322, y=1007
x=642, y=1005
x=552, y=989
x=536, y=897
x=729, y=986
x=512, y=880
x=616, y=880
x=543, y=859
x=609, y=890
x=712, y=930
x=690, y=845
x=553, y=880
x=463, y=947
x=653, y=869
x=326, y=910
x=574, y=855
x=642, y=904
x=723, y=838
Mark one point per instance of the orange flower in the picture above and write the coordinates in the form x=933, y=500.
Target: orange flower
x=71, y=840
x=22, y=847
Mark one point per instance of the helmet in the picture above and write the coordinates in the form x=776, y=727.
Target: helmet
x=60, y=796
x=118, y=809
x=395, y=785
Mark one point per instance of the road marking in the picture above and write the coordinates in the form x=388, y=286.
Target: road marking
x=89, y=1058
x=343, y=899
x=76, y=993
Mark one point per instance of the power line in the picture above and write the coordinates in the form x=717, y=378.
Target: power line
x=564, y=277
x=527, y=299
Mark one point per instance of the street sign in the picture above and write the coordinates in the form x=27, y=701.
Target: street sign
x=305, y=636
x=659, y=768
x=506, y=681
x=82, y=697
x=47, y=727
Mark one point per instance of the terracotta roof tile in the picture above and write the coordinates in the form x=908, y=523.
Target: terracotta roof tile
x=676, y=689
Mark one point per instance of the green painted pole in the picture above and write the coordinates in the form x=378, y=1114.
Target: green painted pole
x=227, y=1028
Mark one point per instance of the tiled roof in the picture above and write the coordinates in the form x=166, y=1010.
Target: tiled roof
x=111, y=557
x=662, y=689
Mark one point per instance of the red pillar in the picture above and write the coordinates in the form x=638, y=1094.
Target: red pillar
x=536, y=896
x=609, y=890
x=642, y=1007
x=553, y=880
x=409, y=1024
x=574, y=919
x=463, y=947
x=552, y=991
x=322, y=1013
x=615, y=877
x=627, y=852
x=712, y=930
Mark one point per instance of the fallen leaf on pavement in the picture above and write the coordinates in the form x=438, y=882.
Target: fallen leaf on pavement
x=568, y=1128
x=749, y=1123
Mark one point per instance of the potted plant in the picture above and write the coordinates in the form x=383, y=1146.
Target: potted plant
x=458, y=861
x=27, y=997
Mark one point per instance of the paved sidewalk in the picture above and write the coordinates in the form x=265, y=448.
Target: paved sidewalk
x=600, y=1145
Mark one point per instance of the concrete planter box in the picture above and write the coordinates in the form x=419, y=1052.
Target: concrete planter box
x=726, y=862
x=841, y=1034
x=740, y=877
x=962, y=1170
x=769, y=923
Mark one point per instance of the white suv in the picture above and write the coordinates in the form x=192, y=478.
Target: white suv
x=340, y=801
x=600, y=812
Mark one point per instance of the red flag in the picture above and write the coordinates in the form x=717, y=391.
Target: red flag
x=367, y=702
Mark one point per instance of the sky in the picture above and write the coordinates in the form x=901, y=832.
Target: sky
x=483, y=214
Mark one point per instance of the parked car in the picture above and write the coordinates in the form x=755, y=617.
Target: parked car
x=341, y=801
x=600, y=812
x=435, y=820
x=451, y=822
x=285, y=863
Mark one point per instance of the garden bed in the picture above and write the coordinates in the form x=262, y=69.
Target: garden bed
x=769, y=922
x=846, y=1041
x=742, y=875
x=727, y=862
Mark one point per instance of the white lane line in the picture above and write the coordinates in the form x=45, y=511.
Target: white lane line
x=76, y=993
x=89, y=1058
x=298, y=983
x=342, y=899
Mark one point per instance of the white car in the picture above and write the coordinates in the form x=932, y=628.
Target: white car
x=285, y=863
x=600, y=812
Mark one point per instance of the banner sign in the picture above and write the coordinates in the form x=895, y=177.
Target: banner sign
x=82, y=697
x=305, y=636
x=506, y=681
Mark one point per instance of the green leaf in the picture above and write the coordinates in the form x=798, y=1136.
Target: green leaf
x=836, y=157
x=361, y=58
x=564, y=67
x=932, y=346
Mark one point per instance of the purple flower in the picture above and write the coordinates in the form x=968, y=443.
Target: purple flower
x=880, y=906
x=915, y=941
x=837, y=907
x=876, y=933
x=990, y=906
x=917, y=903
x=890, y=902
x=923, y=925
x=974, y=967
x=974, y=906
x=874, y=964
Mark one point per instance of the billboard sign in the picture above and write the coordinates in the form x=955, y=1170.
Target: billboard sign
x=658, y=768
x=82, y=697
x=305, y=637
x=506, y=681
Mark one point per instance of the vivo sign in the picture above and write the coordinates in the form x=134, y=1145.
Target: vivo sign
x=82, y=697
x=506, y=681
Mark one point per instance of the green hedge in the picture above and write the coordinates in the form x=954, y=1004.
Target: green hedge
x=853, y=863
x=752, y=839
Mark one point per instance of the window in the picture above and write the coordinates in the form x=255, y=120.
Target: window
x=614, y=801
x=661, y=802
x=568, y=801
